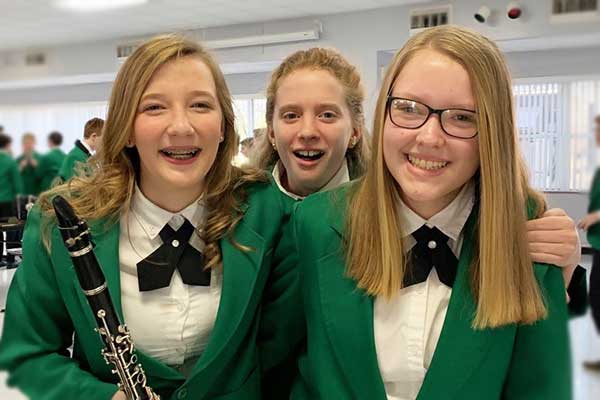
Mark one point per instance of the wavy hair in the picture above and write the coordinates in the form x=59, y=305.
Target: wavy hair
x=104, y=190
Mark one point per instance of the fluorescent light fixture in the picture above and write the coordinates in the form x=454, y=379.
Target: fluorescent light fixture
x=260, y=40
x=96, y=5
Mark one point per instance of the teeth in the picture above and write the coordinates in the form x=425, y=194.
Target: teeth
x=180, y=151
x=431, y=165
x=309, y=153
x=180, y=154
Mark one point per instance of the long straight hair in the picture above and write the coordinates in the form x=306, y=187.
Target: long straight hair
x=106, y=191
x=502, y=277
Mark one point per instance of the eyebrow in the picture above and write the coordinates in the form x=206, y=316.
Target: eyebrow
x=295, y=106
x=461, y=106
x=193, y=93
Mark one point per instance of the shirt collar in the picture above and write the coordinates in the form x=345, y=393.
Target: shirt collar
x=450, y=220
x=87, y=146
x=340, y=177
x=152, y=218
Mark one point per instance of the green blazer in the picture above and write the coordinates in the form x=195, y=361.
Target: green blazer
x=31, y=182
x=78, y=155
x=340, y=361
x=45, y=306
x=593, y=234
x=10, y=178
x=48, y=167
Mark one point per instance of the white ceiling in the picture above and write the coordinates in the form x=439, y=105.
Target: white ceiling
x=38, y=23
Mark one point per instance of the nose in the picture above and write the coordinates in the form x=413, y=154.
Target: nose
x=431, y=134
x=308, y=129
x=179, y=123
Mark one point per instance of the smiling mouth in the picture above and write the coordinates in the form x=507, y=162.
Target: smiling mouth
x=425, y=164
x=180, y=154
x=309, y=155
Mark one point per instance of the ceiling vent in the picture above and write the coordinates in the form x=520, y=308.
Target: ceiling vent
x=424, y=18
x=574, y=11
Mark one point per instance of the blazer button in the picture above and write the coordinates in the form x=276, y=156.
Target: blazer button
x=182, y=394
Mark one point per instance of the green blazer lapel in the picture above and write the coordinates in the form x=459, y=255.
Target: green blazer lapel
x=106, y=249
x=460, y=348
x=237, y=305
x=348, y=317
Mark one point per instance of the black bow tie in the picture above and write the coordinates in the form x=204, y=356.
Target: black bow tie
x=156, y=270
x=431, y=251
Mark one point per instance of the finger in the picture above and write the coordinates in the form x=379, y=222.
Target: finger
x=550, y=223
x=565, y=237
x=544, y=258
x=557, y=249
x=554, y=212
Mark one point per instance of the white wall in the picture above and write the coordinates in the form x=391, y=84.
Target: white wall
x=358, y=35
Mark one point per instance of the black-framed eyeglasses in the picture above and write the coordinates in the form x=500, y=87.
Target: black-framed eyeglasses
x=411, y=114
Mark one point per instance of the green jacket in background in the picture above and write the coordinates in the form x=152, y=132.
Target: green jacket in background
x=593, y=234
x=339, y=360
x=10, y=179
x=31, y=182
x=46, y=305
x=78, y=155
x=48, y=167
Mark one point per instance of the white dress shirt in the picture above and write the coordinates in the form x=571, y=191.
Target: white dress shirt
x=407, y=328
x=340, y=177
x=171, y=324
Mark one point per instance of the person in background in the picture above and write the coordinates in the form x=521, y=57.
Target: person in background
x=92, y=132
x=10, y=179
x=10, y=187
x=242, y=157
x=50, y=162
x=246, y=146
x=28, y=163
x=590, y=224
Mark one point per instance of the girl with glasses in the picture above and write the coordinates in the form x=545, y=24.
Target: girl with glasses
x=416, y=280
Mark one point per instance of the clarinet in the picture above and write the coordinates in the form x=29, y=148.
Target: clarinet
x=119, y=348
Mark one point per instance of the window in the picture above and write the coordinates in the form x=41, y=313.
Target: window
x=40, y=119
x=249, y=114
x=555, y=121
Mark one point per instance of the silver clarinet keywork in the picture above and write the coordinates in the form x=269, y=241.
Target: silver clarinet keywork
x=119, y=348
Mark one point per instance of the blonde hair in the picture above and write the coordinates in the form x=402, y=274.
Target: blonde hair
x=27, y=136
x=503, y=280
x=329, y=60
x=106, y=191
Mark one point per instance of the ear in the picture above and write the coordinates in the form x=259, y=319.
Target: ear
x=270, y=133
x=354, y=137
x=130, y=143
